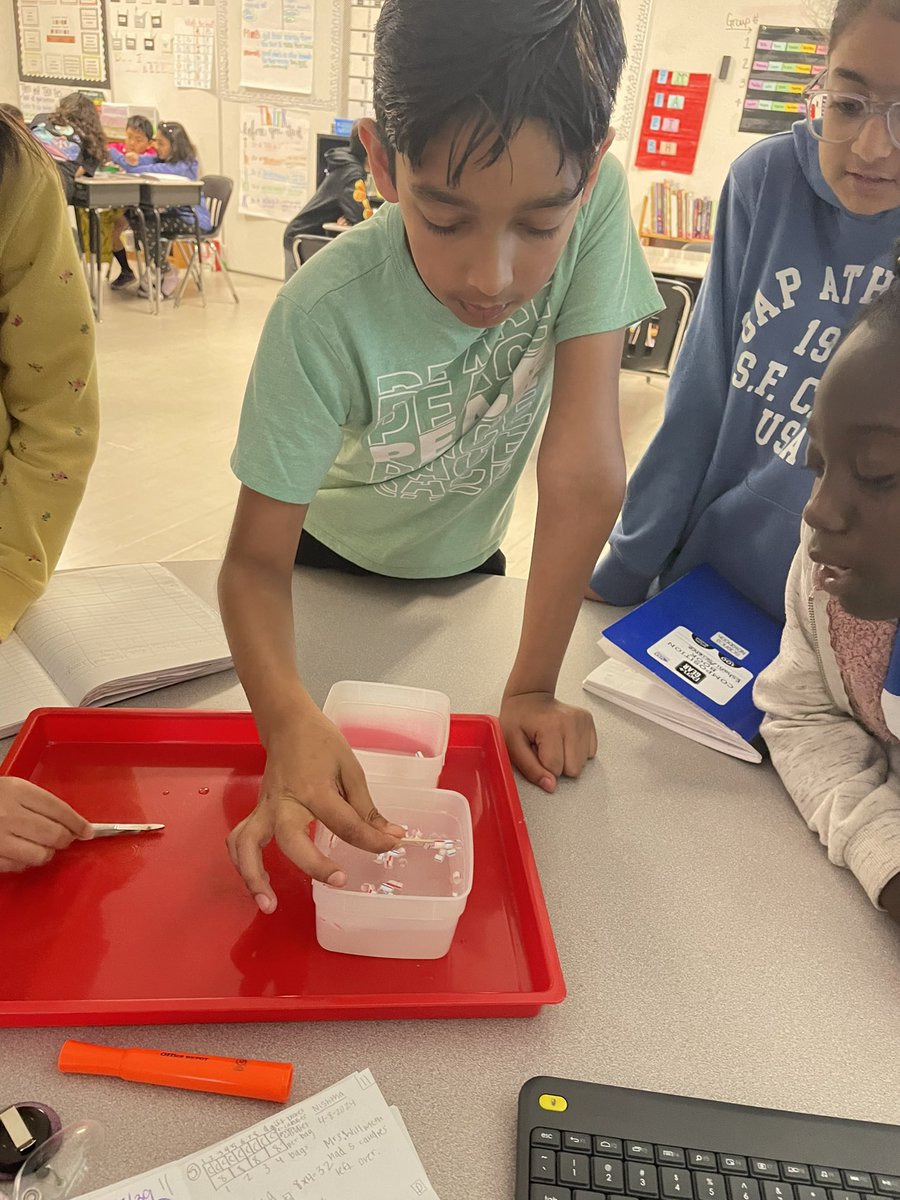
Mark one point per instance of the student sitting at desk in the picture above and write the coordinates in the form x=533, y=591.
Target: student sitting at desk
x=402, y=379
x=74, y=139
x=48, y=431
x=803, y=238
x=832, y=697
x=137, y=147
x=334, y=199
x=176, y=155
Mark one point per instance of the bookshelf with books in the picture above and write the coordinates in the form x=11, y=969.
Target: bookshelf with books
x=672, y=215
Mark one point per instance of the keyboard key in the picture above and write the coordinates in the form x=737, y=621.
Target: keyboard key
x=811, y=1193
x=540, y=1192
x=765, y=1168
x=545, y=1137
x=827, y=1175
x=642, y=1180
x=733, y=1164
x=671, y=1156
x=777, y=1191
x=676, y=1185
x=574, y=1169
x=608, y=1146
x=888, y=1185
x=837, y=1194
x=577, y=1141
x=607, y=1175
x=858, y=1181
x=582, y=1195
x=796, y=1171
x=639, y=1150
x=709, y=1186
x=742, y=1188
x=543, y=1165
x=699, y=1158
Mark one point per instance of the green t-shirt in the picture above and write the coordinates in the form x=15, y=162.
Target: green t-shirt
x=405, y=430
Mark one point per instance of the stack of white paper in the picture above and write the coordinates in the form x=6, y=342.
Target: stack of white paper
x=344, y=1144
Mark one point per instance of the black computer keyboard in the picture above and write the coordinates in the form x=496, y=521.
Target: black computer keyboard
x=583, y=1141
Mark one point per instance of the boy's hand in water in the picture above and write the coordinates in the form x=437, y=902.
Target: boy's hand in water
x=34, y=824
x=311, y=774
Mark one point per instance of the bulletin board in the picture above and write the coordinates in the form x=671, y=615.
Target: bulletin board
x=61, y=42
x=673, y=121
x=786, y=60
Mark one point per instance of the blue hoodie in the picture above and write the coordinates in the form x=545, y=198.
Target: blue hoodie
x=724, y=481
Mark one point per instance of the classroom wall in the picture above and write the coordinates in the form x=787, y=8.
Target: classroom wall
x=694, y=35
x=213, y=117
x=9, y=71
x=682, y=35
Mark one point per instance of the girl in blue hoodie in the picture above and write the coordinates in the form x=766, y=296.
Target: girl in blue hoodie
x=803, y=237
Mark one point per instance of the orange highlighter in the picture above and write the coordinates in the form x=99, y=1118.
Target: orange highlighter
x=174, y=1068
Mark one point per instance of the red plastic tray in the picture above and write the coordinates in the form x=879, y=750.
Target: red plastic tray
x=159, y=929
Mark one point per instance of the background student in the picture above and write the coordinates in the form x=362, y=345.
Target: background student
x=73, y=137
x=334, y=199
x=176, y=155
x=138, y=142
x=48, y=431
x=803, y=238
x=402, y=379
x=833, y=694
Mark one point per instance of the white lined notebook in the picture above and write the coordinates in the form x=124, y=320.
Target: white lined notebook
x=346, y=1143
x=106, y=634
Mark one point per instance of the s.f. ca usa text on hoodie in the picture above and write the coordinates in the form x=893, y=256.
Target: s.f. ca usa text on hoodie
x=724, y=481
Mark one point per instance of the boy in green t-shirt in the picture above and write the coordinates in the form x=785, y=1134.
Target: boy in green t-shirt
x=404, y=373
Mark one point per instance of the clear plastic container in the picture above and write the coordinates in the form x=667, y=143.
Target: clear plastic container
x=399, y=734
x=408, y=906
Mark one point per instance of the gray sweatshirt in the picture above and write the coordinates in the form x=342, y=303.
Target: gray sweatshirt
x=842, y=775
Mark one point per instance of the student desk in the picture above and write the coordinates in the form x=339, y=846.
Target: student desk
x=709, y=948
x=93, y=195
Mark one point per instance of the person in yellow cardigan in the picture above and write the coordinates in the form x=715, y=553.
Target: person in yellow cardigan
x=49, y=416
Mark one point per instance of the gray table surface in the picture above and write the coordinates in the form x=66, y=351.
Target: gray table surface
x=708, y=947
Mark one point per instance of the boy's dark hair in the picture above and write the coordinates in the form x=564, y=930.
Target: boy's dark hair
x=847, y=11
x=13, y=111
x=183, y=149
x=16, y=141
x=496, y=64
x=356, y=148
x=80, y=112
x=883, y=314
x=141, y=124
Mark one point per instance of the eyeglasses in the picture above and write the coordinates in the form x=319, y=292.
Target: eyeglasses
x=835, y=117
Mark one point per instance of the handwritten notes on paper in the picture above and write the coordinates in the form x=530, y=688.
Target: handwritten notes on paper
x=277, y=45
x=274, y=162
x=340, y=1145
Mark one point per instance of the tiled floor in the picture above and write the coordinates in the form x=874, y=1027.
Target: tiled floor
x=171, y=394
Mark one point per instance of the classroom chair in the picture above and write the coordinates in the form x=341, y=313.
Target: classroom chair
x=652, y=345
x=217, y=191
x=306, y=245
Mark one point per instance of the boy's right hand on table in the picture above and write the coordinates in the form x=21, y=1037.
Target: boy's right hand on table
x=34, y=824
x=311, y=774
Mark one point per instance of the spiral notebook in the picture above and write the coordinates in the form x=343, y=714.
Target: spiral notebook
x=106, y=634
